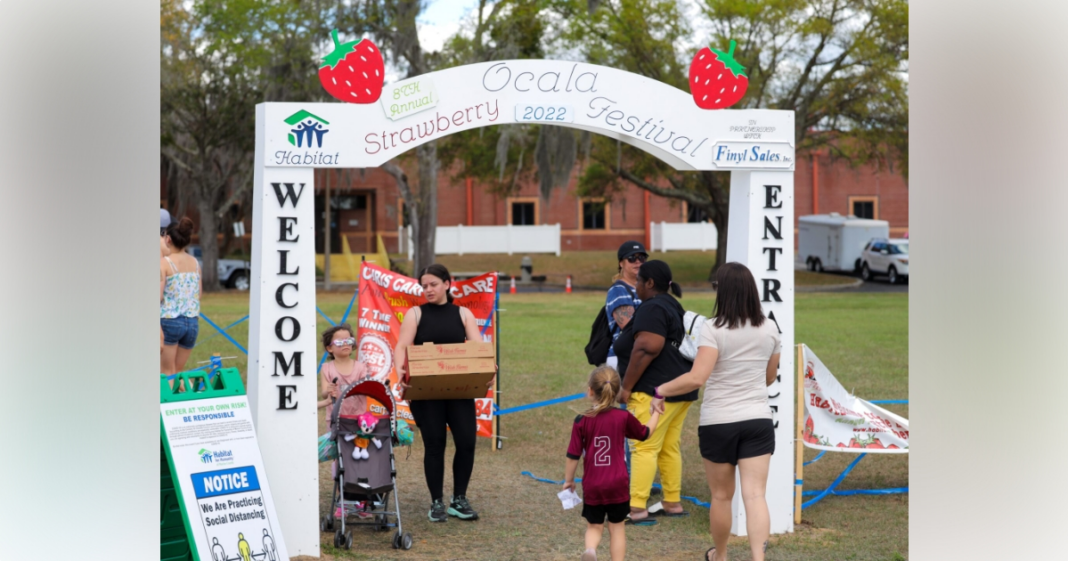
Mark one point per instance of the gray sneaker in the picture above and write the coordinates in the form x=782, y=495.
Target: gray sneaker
x=460, y=508
x=437, y=512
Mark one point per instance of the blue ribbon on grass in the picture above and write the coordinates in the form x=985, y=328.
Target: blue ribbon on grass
x=227, y=328
x=343, y=318
x=224, y=333
x=538, y=404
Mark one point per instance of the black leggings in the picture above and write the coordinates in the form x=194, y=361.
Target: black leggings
x=431, y=416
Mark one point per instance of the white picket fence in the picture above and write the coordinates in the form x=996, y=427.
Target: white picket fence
x=458, y=240
x=687, y=235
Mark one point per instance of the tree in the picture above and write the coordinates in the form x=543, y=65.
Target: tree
x=503, y=29
x=392, y=25
x=218, y=58
x=206, y=132
x=506, y=156
x=840, y=65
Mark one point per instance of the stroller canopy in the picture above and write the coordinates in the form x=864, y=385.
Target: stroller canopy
x=371, y=388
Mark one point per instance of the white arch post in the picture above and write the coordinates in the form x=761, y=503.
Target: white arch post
x=293, y=139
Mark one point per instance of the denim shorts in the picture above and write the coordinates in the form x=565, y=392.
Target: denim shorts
x=181, y=331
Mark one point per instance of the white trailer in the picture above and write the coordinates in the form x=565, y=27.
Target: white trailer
x=832, y=242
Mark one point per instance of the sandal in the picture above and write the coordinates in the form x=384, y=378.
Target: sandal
x=711, y=550
x=659, y=510
x=668, y=514
x=648, y=521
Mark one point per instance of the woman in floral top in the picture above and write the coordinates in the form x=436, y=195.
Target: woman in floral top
x=179, y=295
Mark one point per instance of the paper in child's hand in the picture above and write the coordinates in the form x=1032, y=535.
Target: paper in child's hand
x=569, y=498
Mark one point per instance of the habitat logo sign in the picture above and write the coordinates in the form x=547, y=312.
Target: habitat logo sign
x=215, y=456
x=307, y=132
x=753, y=155
x=309, y=128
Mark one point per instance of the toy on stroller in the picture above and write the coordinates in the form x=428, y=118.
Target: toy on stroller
x=362, y=486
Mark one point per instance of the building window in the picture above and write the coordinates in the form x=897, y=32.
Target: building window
x=523, y=211
x=695, y=214
x=594, y=215
x=864, y=207
x=349, y=202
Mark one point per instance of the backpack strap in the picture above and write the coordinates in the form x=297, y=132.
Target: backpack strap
x=692, y=323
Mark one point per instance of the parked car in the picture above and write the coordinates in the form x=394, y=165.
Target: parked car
x=888, y=257
x=832, y=242
x=233, y=273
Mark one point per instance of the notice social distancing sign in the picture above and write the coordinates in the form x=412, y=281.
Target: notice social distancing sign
x=218, y=472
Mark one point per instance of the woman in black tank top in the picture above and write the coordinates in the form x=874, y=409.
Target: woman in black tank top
x=441, y=322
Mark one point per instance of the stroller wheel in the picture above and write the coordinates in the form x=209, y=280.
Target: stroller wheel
x=406, y=541
x=337, y=538
x=396, y=540
x=348, y=540
x=326, y=524
x=381, y=522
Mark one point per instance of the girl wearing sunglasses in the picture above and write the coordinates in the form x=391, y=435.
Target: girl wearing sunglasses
x=335, y=374
x=342, y=370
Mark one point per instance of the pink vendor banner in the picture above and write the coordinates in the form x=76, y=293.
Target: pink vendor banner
x=838, y=421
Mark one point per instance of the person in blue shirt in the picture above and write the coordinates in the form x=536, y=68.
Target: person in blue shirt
x=622, y=300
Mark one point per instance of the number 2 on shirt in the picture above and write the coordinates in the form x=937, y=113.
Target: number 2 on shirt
x=601, y=446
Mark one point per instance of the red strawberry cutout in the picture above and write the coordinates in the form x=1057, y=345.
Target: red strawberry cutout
x=354, y=72
x=717, y=81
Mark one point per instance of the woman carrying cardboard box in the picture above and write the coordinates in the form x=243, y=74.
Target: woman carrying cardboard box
x=441, y=322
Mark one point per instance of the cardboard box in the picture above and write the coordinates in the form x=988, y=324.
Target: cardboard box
x=465, y=374
x=430, y=351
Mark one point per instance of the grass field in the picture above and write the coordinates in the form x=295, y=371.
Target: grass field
x=595, y=268
x=862, y=338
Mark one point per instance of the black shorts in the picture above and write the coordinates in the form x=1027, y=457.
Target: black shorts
x=616, y=513
x=729, y=442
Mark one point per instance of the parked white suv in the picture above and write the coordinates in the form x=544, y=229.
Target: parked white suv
x=233, y=273
x=888, y=257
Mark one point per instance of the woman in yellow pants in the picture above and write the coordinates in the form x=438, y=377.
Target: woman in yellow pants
x=648, y=357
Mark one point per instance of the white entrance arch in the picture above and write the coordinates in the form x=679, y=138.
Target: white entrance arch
x=293, y=139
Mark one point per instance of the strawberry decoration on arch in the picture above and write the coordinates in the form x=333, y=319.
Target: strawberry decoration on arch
x=717, y=81
x=354, y=72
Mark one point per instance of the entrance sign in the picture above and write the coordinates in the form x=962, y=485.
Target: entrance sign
x=219, y=475
x=760, y=234
x=756, y=145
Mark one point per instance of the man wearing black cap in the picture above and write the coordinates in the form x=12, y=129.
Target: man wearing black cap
x=622, y=300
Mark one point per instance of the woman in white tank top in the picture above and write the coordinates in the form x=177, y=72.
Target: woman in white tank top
x=180, y=285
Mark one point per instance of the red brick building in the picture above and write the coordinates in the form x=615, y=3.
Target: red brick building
x=368, y=203
x=823, y=185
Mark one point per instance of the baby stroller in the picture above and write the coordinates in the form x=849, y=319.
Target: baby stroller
x=362, y=487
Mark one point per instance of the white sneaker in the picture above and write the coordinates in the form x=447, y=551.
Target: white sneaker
x=589, y=555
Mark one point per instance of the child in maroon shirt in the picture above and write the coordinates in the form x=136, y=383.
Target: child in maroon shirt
x=599, y=432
